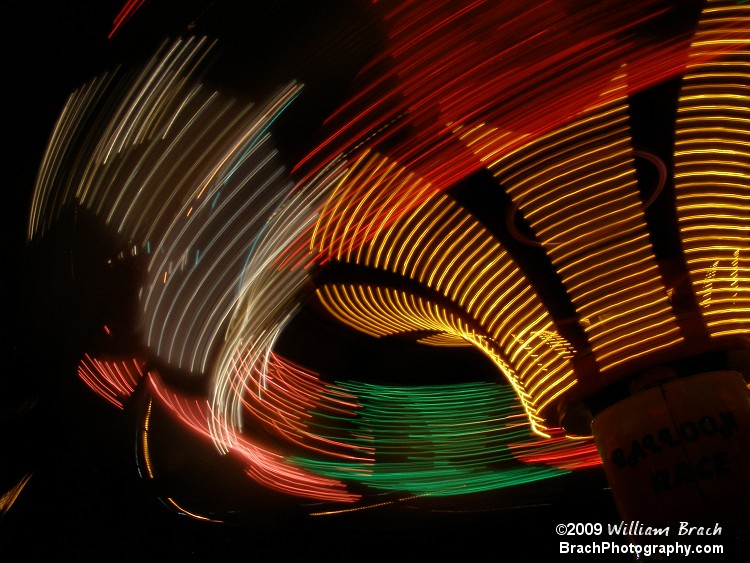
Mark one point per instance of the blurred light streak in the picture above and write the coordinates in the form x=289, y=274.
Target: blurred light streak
x=437, y=440
x=8, y=499
x=367, y=199
x=100, y=130
x=368, y=506
x=143, y=449
x=523, y=70
x=267, y=298
x=53, y=185
x=113, y=380
x=125, y=13
x=182, y=172
x=559, y=451
x=293, y=404
x=263, y=465
x=181, y=510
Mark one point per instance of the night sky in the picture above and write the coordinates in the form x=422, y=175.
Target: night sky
x=85, y=498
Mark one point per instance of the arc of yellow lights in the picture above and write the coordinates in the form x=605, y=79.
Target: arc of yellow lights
x=382, y=311
x=584, y=162
x=712, y=168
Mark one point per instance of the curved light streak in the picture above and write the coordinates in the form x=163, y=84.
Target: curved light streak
x=479, y=278
x=115, y=380
x=264, y=465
